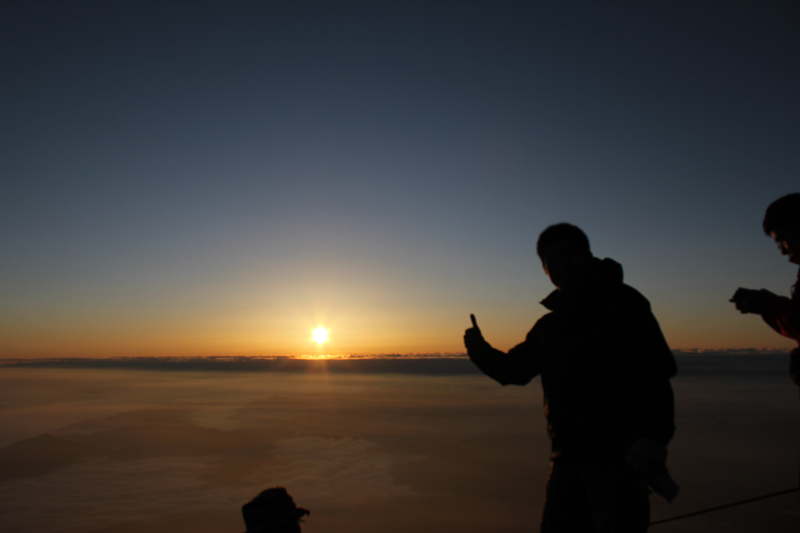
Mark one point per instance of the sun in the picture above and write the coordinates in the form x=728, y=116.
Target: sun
x=320, y=335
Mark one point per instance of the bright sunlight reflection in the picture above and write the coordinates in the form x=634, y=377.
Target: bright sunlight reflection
x=320, y=335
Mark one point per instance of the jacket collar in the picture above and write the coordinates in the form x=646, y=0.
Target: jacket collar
x=603, y=274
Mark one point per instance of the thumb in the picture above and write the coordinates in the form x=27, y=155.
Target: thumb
x=474, y=322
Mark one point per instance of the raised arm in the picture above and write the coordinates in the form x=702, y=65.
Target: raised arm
x=517, y=367
x=783, y=315
x=780, y=313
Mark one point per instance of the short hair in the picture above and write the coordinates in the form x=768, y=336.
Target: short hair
x=562, y=232
x=785, y=211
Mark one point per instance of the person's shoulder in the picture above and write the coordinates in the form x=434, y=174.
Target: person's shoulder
x=539, y=328
x=633, y=297
x=543, y=322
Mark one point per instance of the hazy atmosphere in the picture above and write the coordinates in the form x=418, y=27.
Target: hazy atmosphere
x=240, y=242
x=431, y=446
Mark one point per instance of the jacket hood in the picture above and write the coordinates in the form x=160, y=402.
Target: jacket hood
x=603, y=273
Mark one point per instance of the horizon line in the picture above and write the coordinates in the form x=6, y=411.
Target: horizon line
x=23, y=361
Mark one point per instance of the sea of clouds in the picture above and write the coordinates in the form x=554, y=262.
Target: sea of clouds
x=368, y=444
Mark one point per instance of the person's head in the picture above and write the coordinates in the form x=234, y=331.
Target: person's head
x=565, y=254
x=782, y=223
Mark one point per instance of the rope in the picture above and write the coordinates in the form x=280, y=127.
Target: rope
x=679, y=517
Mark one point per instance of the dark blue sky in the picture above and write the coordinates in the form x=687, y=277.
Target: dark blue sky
x=221, y=177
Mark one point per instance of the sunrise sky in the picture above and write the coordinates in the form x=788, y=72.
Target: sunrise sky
x=221, y=178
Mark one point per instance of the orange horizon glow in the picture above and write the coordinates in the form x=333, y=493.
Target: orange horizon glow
x=379, y=331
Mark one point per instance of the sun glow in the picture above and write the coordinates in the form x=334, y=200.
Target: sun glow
x=320, y=335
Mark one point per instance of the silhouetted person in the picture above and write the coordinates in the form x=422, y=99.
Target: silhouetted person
x=782, y=223
x=273, y=511
x=605, y=369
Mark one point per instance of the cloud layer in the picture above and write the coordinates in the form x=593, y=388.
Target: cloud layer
x=132, y=450
x=706, y=362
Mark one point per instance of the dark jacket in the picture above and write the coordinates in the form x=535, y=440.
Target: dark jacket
x=783, y=314
x=604, y=363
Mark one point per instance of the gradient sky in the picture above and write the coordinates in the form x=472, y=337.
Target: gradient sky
x=219, y=178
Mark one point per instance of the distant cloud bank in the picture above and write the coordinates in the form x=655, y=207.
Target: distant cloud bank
x=426, y=364
x=690, y=362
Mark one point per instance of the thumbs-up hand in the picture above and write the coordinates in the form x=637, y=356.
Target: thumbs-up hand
x=473, y=336
x=474, y=322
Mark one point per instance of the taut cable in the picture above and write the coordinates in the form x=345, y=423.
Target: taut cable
x=742, y=502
